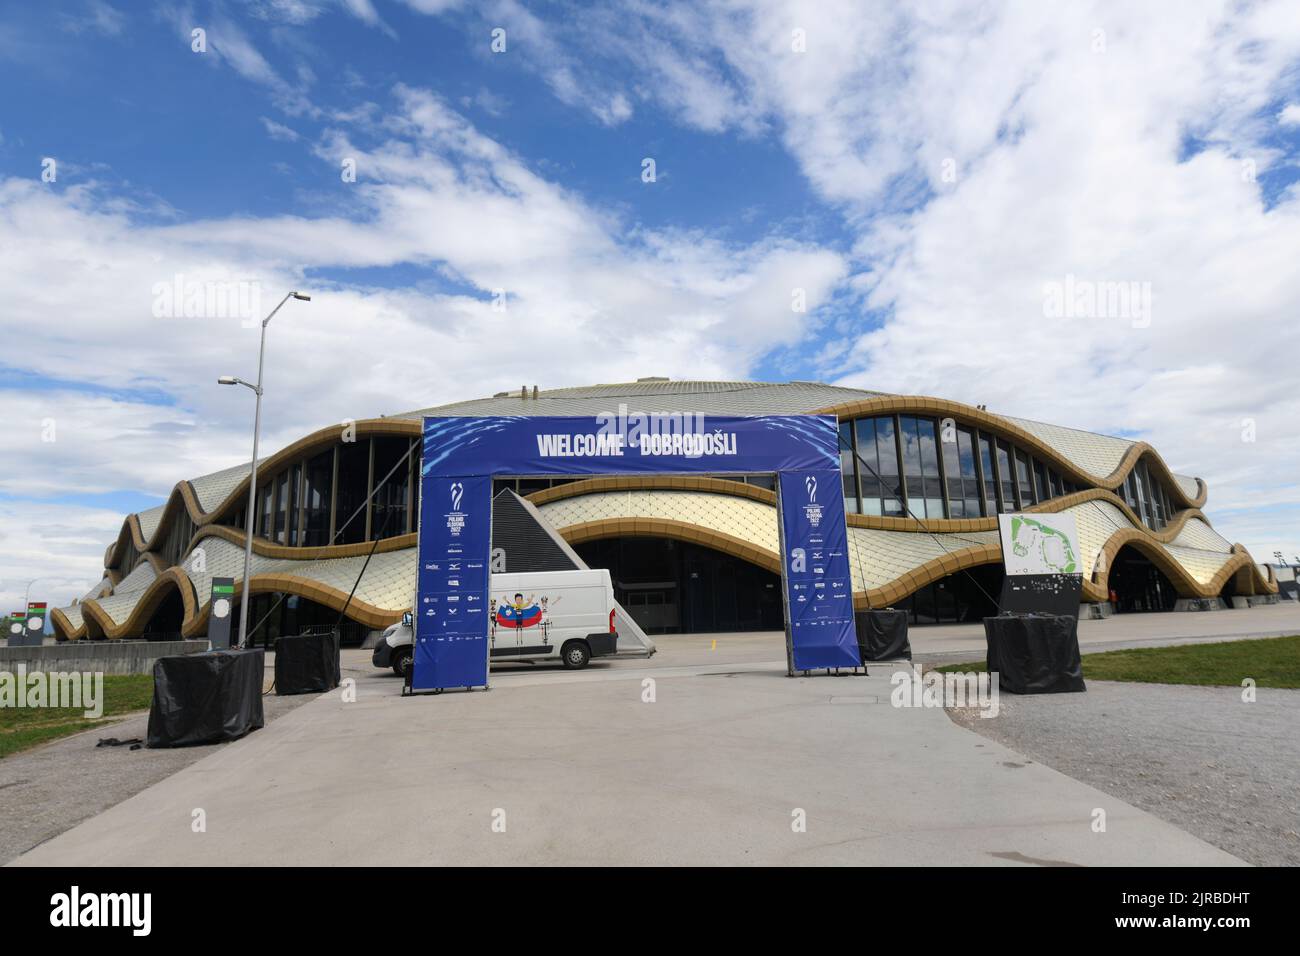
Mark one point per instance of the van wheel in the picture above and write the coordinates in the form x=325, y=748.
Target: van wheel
x=403, y=662
x=575, y=655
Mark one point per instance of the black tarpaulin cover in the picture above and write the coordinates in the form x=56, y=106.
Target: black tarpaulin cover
x=306, y=663
x=1034, y=653
x=882, y=635
x=206, y=698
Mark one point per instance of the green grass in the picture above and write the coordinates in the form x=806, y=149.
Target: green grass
x=21, y=728
x=1271, y=662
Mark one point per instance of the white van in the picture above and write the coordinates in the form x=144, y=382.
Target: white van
x=534, y=616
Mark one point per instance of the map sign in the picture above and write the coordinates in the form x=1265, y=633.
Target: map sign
x=1040, y=544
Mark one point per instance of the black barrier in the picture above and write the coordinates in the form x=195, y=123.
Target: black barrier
x=307, y=663
x=206, y=698
x=882, y=635
x=1034, y=653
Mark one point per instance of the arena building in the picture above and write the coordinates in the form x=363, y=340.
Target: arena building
x=924, y=479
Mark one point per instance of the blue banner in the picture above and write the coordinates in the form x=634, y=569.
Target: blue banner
x=460, y=456
x=818, y=581
x=451, y=618
x=621, y=444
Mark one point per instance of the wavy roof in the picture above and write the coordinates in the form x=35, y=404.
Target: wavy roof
x=1095, y=462
x=887, y=565
x=1093, y=453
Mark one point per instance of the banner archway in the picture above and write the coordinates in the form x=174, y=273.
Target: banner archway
x=461, y=456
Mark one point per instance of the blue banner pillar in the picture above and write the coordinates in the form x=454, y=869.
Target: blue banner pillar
x=818, y=580
x=451, y=617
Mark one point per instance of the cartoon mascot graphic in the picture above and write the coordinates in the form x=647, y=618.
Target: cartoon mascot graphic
x=519, y=615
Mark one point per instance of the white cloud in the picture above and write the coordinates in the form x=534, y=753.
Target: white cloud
x=59, y=548
x=1068, y=129
x=280, y=131
x=96, y=16
x=227, y=44
x=1290, y=115
x=1070, y=151
x=1069, y=164
x=433, y=6
x=590, y=297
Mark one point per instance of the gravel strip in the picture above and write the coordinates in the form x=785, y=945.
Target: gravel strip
x=55, y=786
x=1198, y=757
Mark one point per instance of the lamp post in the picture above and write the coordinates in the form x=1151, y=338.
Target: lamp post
x=245, y=598
x=28, y=596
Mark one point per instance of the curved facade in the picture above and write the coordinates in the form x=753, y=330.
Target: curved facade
x=923, y=482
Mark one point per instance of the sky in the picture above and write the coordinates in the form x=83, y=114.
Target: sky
x=1081, y=213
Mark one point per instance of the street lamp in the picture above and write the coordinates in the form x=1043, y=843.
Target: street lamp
x=28, y=596
x=252, y=478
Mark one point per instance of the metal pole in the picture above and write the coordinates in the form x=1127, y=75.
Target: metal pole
x=245, y=598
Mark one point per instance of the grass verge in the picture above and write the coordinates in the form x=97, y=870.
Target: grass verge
x=1270, y=662
x=21, y=728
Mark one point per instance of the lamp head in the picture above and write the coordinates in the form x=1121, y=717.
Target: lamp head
x=227, y=380
x=300, y=297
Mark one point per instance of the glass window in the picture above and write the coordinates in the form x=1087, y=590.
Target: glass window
x=281, y=505
x=390, y=496
x=990, y=475
x=1041, y=490
x=891, y=498
x=913, y=485
x=1140, y=494
x=354, y=479
x=318, y=475
x=1130, y=493
x=932, y=486
x=265, y=504
x=868, y=465
x=295, y=491
x=849, y=469
x=1006, y=478
x=1024, y=480
x=955, y=491
x=959, y=470
x=1054, y=484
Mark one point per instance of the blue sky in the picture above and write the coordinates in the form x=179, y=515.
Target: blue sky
x=922, y=174
x=176, y=125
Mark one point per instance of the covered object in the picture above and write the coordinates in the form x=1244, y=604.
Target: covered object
x=206, y=698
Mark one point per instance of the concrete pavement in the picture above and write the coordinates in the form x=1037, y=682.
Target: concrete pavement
x=581, y=770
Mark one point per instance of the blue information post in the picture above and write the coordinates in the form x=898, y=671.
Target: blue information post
x=461, y=456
